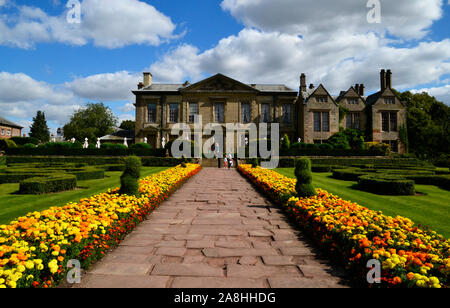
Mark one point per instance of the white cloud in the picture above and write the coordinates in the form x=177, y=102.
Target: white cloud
x=255, y=56
x=402, y=18
x=107, y=23
x=128, y=108
x=441, y=93
x=105, y=87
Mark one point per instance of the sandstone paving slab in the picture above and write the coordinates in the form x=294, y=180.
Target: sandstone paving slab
x=125, y=281
x=216, y=231
x=217, y=283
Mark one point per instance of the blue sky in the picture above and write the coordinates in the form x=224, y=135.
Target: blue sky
x=48, y=64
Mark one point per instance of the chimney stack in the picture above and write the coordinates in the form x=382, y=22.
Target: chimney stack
x=383, y=79
x=362, y=91
x=389, y=79
x=311, y=86
x=302, y=83
x=140, y=85
x=357, y=88
x=147, y=79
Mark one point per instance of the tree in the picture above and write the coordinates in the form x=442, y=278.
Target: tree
x=128, y=125
x=347, y=139
x=285, y=143
x=92, y=121
x=428, y=129
x=39, y=128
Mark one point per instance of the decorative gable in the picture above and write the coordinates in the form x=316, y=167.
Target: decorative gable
x=219, y=83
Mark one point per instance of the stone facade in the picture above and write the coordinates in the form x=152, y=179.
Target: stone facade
x=311, y=114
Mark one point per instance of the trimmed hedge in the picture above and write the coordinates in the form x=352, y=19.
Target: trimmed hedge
x=350, y=174
x=25, y=140
x=386, y=185
x=442, y=181
x=93, y=161
x=50, y=184
x=62, y=150
x=2, y=160
x=16, y=175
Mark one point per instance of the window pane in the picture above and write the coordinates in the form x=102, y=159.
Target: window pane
x=173, y=114
x=349, y=121
x=193, y=111
x=245, y=113
x=393, y=121
x=265, y=113
x=286, y=114
x=317, y=122
x=356, y=120
x=325, y=122
x=220, y=113
x=151, y=113
x=385, y=121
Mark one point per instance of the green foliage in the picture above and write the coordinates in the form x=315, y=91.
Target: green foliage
x=39, y=128
x=49, y=184
x=428, y=122
x=386, y=185
x=20, y=141
x=7, y=144
x=92, y=121
x=303, y=174
x=128, y=125
x=129, y=179
x=378, y=148
x=29, y=146
x=141, y=145
x=348, y=139
x=255, y=162
x=76, y=145
x=285, y=143
x=113, y=146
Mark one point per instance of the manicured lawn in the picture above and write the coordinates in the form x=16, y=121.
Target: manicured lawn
x=13, y=205
x=431, y=209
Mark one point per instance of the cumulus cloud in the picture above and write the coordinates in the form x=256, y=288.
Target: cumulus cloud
x=108, y=87
x=128, y=108
x=254, y=56
x=107, y=23
x=402, y=18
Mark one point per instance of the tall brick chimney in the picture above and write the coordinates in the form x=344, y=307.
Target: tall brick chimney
x=362, y=88
x=389, y=79
x=357, y=88
x=302, y=83
x=147, y=79
x=383, y=80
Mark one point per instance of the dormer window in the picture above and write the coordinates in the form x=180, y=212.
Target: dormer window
x=389, y=101
x=322, y=99
x=352, y=101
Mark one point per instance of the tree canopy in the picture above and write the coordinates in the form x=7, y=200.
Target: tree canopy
x=428, y=124
x=92, y=121
x=39, y=128
x=128, y=125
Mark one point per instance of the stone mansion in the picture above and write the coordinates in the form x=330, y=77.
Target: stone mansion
x=311, y=113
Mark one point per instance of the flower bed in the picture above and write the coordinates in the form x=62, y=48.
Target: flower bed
x=35, y=249
x=410, y=256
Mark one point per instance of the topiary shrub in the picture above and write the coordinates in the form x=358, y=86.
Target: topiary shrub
x=303, y=173
x=255, y=162
x=285, y=143
x=386, y=185
x=129, y=179
x=49, y=184
x=76, y=145
x=29, y=146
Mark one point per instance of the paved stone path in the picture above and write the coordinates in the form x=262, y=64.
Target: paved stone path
x=216, y=231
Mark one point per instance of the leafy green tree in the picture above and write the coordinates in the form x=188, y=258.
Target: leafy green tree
x=39, y=128
x=285, y=143
x=128, y=125
x=428, y=124
x=348, y=139
x=92, y=121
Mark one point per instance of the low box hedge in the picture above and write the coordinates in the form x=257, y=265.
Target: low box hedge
x=350, y=174
x=64, y=151
x=386, y=185
x=49, y=184
x=442, y=181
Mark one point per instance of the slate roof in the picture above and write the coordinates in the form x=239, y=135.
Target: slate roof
x=6, y=122
x=119, y=134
